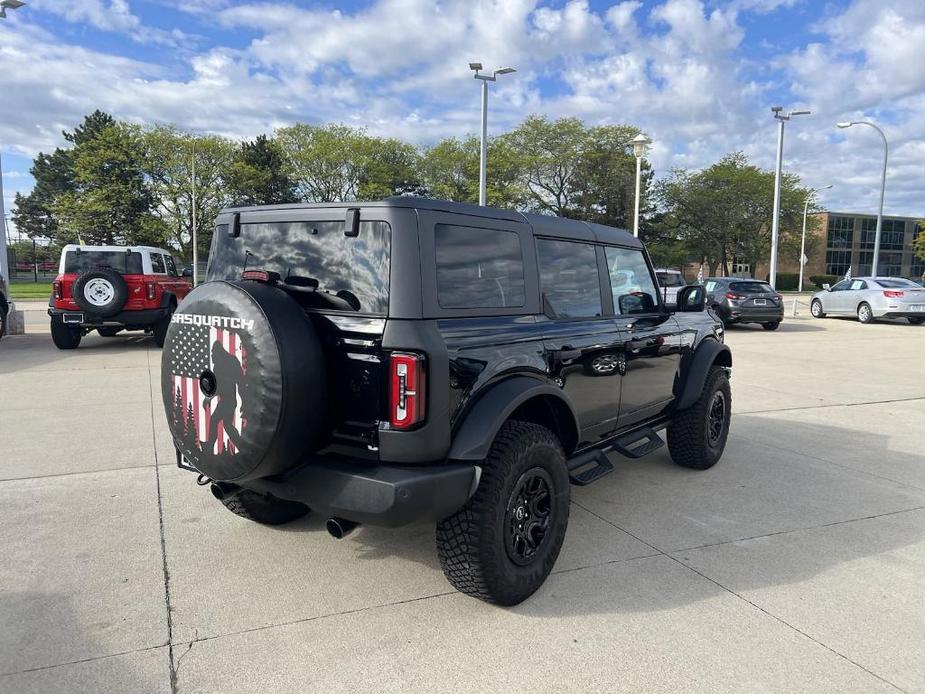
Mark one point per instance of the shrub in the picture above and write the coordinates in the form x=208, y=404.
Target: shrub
x=786, y=281
x=819, y=280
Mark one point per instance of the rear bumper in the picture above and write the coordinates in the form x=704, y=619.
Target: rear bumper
x=896, y=313
x=752, y=314
x=141, y=318
x=384, y=495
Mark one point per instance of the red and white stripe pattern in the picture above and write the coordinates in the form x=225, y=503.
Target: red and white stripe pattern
x=189, y=395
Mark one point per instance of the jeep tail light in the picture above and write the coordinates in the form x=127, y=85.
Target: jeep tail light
x=406, y=390
x=56, y=288
x=151, y=289
x=893, y=295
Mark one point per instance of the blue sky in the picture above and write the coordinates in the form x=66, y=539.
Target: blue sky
x=698, y=76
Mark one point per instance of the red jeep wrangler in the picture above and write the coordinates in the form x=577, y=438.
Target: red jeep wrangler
x=114, y=288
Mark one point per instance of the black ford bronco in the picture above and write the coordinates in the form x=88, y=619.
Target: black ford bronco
x=417, y=360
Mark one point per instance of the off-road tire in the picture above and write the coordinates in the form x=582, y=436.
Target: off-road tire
x=773, y=325
x=106, y=275
x=161, y=327
x=865, y=313
x=64, y=336
x=814, y=311
x=472, y=543
x=265, y=509
x=915, y=320
x=689, y=439
x=109, y=332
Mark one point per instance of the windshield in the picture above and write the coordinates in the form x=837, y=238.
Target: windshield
x=898, y=283
x=753, y=287
x=316, y=250
x=670, y=279
x=127, y=263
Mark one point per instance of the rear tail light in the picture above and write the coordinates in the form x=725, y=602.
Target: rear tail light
x=406, y=391
x=152, y=288
x=893, y=295
x=734, y=297
x=256, y=275
x=56, y=288
x=779, y=297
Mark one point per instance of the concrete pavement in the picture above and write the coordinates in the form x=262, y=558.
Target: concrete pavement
x=797, y=563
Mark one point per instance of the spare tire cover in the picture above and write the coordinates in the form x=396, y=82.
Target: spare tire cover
x=243, y=380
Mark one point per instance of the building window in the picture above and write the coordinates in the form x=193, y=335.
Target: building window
x=840, y=231
x=837, y=262
x=892, y=234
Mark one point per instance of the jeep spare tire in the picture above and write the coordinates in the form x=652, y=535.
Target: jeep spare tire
x=100, y=292
x=243, y=380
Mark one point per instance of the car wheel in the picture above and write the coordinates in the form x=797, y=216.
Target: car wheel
x=109, y=332
x=865, y=314
x=503, y=543
x=773, y=325
x=64, y=336
x=815, y=308
x=697, y=435
x=916, y=320
x=265, y=509
x=160, y=329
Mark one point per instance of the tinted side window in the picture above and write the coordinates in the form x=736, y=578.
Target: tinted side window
x=171, y=266
x=631, y=282
x=157, y=264
x=569, y=279
x=478, y=268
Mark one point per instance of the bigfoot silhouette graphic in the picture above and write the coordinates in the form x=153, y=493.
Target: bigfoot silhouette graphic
x=229, y=381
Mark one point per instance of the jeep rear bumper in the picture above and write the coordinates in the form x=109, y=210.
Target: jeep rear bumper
x=384, y=495
x=140, y=319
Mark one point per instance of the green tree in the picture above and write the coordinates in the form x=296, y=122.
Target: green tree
x=323, y=162
x=110, y=202
x=257, y=176
x=450, y=171
x=54, y=176
x=388, y=167
x=918, y=244
x=168, y=156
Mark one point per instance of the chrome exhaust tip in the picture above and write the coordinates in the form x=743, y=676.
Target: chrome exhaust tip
x=339, y=528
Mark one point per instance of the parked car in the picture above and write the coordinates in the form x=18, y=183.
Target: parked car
x=671, y=282
x=419, y=360
x=870, y=298
x=738, y=300
x=114, y=288
x=4, y=306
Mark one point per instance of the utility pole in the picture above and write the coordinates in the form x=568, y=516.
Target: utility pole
x=483, y=153
x=775, y=219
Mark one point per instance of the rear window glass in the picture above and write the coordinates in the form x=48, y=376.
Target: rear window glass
x=670, y=279
x=755, y=287
x=478, y=268
x=81, y=261
x=569, y=279
x=898, y=283
x=316, y=250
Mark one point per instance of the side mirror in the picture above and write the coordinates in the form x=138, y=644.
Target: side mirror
x=187, y=272
x=827, y=287
x=692, y=299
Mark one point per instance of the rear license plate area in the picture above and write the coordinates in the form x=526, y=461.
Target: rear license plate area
x=917, y=308
x=761, y=302
x=77, y=318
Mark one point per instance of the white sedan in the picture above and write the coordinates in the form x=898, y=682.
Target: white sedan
x=870, y=298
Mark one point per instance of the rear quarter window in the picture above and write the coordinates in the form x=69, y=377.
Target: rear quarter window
x=478, y=268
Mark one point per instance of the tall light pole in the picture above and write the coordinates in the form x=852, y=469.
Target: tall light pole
x=886, y=150
x=640, y=145
x=4, y=261
x=781, y=117
x=483, y=155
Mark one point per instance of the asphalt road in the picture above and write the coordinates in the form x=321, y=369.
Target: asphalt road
x=797, y=563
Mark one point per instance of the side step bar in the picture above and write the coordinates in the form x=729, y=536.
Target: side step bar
x=590, y=466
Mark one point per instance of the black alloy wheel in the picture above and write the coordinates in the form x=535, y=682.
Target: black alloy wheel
x=528, y=515
x=717, y=418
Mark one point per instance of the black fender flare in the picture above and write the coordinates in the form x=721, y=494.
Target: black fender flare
x=474, y=437
x=709, y=352
x=167, y=298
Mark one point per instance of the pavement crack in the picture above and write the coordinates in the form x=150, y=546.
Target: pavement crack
x=160, y=518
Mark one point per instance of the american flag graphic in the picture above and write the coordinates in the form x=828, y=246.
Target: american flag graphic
x=193, y=350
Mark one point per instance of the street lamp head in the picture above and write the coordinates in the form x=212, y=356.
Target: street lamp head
x=844, y=124
x=800, y=113
x=9, y=5
x=504, y=70
x=640, y=143
x=825, y=187
x=777, y=109
x=475, y=66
